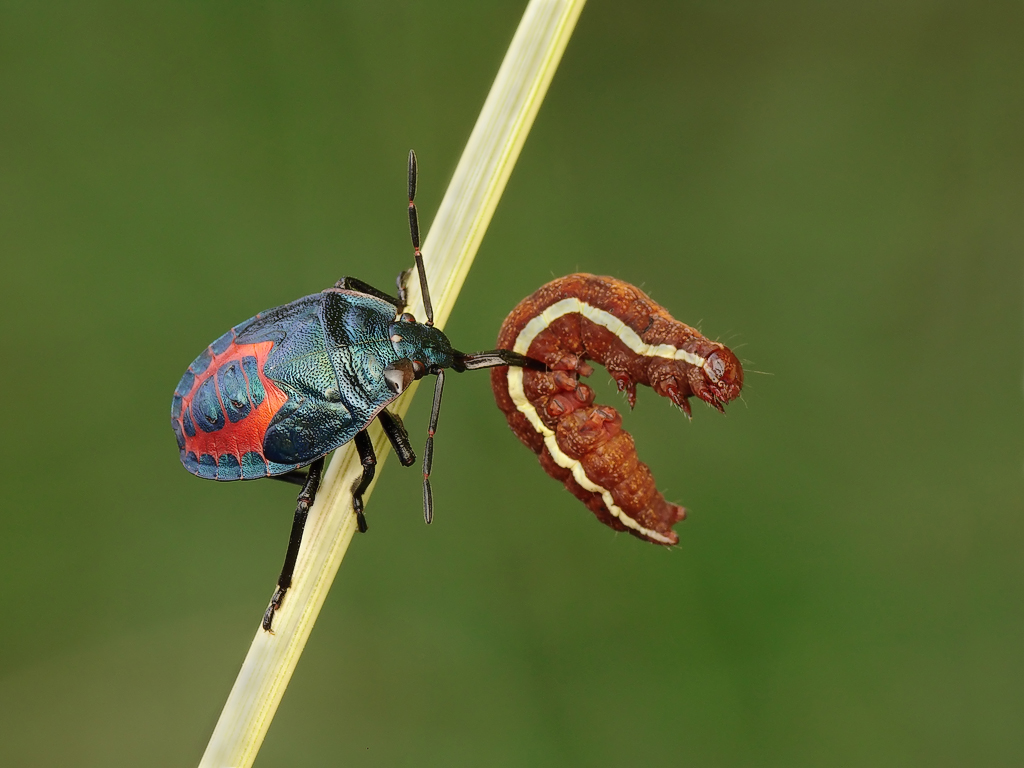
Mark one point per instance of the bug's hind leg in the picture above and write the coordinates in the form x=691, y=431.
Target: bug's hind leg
x=369, y=461
x=355, y=284
x=304, y=502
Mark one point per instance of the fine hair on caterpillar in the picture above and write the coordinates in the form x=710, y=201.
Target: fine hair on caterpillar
x=584, y=317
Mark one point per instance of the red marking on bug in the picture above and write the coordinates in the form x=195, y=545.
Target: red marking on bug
x=246, y=435
x=592, y=435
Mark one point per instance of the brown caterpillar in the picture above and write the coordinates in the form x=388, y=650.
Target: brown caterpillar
x=585, y=317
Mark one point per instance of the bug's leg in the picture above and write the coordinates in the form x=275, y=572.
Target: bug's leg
x=428, y=452
x=400, y=281
x=355, y=284
x=414, y=232
x=369, y=461
x=304, y=502
x=399, y=437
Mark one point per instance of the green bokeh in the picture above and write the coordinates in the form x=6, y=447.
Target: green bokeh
x=835, y=193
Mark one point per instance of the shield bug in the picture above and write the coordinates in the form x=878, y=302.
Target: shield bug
x=282, y=390
x=585, y=317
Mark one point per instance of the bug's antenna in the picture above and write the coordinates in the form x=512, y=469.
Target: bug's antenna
x=428, y=452
x=414, y=231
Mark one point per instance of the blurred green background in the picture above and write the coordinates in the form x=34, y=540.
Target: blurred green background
x=836, y=192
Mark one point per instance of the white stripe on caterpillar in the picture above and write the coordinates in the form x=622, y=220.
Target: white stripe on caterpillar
x=515, y=389
x=626, y=335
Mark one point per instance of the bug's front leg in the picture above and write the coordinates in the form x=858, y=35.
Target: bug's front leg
x=305, y=500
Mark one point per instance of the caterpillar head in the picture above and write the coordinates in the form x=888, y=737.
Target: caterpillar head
x=720, y=379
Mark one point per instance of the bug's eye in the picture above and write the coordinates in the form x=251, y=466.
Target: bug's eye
x=406, y=318
x=399, y=375
x=419, y=369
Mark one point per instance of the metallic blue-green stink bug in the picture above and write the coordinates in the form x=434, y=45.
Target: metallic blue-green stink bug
x=285, y=388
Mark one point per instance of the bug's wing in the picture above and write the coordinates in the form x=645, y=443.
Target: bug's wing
x=330, y=361
x=312, y=421
x=276, y=323
x=307, y=428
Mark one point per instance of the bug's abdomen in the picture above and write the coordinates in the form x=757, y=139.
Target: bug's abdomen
x=222, y=408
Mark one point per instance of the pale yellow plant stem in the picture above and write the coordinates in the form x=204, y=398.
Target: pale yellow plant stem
x=448, y=252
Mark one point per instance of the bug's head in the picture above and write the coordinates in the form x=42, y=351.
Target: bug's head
x=720, y=379
x=425, y=346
